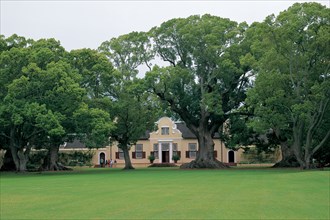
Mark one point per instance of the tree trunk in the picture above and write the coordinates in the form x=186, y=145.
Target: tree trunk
x=51, y=161
x=205, y=155
x=288, y=157
x=20, y=158
x=128, y=163
x=23, y=159
x=2, y=157
x=53, y=158
x=8, y=162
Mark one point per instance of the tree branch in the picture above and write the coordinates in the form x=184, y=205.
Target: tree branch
x=321, y=143
x=4, y=135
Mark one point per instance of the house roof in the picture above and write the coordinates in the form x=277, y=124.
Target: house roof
x=186, y=132
x=145, y=136
x=74, y=144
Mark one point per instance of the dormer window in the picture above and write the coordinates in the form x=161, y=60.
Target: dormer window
x=165, y=130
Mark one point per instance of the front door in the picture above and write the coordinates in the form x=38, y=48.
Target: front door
x=165, y=156
x=231, y=157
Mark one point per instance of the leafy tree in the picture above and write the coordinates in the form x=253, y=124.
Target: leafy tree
x=96, y=71
x=291, y=93
x=93, y=125
x=127, y=52
x=13, y=58
x=40, y=94
x=207, y=76
x=93, y=121
x=132, y=107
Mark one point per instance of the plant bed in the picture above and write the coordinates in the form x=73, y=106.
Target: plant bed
x=163, y=165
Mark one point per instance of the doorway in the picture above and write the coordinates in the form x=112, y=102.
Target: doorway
x=231, y=157
x=165, y=156
x=102, y=159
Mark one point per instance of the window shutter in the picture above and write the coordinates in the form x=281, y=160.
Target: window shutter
x=215, y=154
x=143, y=154
x=133, y=155
x=187, y=154
x=117, y=155
x=179, y=153
x=152, y=153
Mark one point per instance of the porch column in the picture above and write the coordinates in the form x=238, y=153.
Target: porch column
x=160, y=152
x=171, y=152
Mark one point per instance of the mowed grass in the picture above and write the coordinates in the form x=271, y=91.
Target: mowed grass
x=164, y=193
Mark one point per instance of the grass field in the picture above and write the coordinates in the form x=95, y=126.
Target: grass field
x=164, y=193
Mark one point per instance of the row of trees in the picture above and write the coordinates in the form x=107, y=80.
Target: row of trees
x=49, y=96
x=267, y=78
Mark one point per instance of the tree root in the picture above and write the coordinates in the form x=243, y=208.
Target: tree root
x=289, y=162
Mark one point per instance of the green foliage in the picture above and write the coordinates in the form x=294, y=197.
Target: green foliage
x=255, y=155
x=127, y=52
x=132, y=107
x=291, y=92
x=93, y=125
x=206, y=79
x=81, y=158
x=175, y=157
x=151, y=157
x=41, y=94
x=96, y=72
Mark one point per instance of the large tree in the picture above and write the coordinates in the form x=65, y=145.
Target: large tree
x=93, y=121
x=40, y=92
x=13, y=57
x=292, y=88
x=206, y=77
x=132, y=107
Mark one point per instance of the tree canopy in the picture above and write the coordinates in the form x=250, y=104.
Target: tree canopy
x=206, y=79
x=292, y=88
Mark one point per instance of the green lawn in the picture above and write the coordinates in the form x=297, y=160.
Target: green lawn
x=163, y=193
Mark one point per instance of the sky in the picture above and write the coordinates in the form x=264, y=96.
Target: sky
x=86, y=24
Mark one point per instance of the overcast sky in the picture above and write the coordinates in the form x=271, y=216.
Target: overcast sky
x=86, y=24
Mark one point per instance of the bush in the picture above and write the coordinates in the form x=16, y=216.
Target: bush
x=75, y=158
x=36, y=159
x=162, y=165
x=253, y=156
x=151, y=157
x=175, y=157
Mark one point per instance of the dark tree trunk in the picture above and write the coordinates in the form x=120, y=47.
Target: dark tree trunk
x=2, y=156
x=53, y=158
x=20, y=151
x=23, y=157
x=20, y=157
x=205, y=155
x=128, y=163
x=288, y=157
x=8, y=162
x=51, y=161
x=303, y=157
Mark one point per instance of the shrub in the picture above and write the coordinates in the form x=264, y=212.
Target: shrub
x=151, y=157
x=163, y=165
x=175, y=157
x=75, y=158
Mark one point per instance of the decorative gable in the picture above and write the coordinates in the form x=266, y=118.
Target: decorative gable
x=166, y=130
